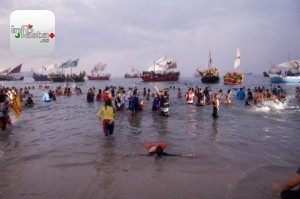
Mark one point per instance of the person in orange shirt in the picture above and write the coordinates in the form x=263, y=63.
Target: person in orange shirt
x=105, y=95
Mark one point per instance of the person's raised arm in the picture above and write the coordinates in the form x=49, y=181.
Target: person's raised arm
x=157, y=90
x=181, y=155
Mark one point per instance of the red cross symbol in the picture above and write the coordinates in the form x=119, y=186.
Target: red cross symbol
x=52, y=35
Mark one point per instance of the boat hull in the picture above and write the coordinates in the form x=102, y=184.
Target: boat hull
x=210, y=79
x=234, y=78
x=10, y=78
x=274, y=78
x=40, y=78
x=67, y=79
x=132, y=76
x=98, y=77
x=232, y=81
x=172, y=76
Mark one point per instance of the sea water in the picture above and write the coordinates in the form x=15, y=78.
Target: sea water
x=57, y=149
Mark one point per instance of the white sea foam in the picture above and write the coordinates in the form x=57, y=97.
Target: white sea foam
x=270, y=105
x=263, y=108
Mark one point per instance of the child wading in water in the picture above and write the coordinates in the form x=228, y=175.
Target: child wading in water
x=108, y=114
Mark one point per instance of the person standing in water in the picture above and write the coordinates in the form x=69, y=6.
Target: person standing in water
x=189, y=96
x=164, y=104
x=108, y=114
x=179, y=93
x=155, y=104
x=134, y=103
x=216, y=104
x=46, y=97
x=200, y=98
x=228, y=97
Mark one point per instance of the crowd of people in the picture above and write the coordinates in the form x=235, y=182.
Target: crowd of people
x=193, y=96
x=119, y=99
x=160, y=98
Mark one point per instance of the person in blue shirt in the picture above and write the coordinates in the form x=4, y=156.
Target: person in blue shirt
x=241, y=94
x=46, y=97
x=134, y=103
x=279, y=89
x=155, y=105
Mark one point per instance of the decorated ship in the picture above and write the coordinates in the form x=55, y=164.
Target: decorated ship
x=292, y=75
x=40, y=76
x=134, y=74
x=210, y=75
x=72, y=77
x=96, y=73
x=235, y=77
x=59, y=77
x=11, y=75
x=162, y=70
x=273, y=70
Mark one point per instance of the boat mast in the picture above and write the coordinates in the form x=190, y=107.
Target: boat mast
x=209, y=65
x=166, y=64
x=71, y=70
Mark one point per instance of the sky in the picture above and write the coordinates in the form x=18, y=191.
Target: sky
x=135, y=33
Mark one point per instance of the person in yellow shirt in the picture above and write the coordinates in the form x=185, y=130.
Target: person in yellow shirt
x=108, y=114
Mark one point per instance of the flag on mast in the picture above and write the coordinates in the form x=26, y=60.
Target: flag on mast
x=73, y=63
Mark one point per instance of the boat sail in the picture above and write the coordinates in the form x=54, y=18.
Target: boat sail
x=61, y=77
x=97, y=72
x=162, y=70
x=289, y=76
x=11, y=75
x=40, y=76
x=235, y=77
x=210, y=75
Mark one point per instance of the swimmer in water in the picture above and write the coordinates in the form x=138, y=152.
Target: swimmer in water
x=158, y=150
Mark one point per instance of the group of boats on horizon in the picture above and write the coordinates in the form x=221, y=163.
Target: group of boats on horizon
x=164, y=69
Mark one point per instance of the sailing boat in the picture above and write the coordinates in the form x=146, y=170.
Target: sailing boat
x=73, y=77
x=39, y=76
x=162, y=70
x=11, y=75
x=135, y=74
x=235, y=77
x=289, y=76
x=97, y=72
x=210, y=75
